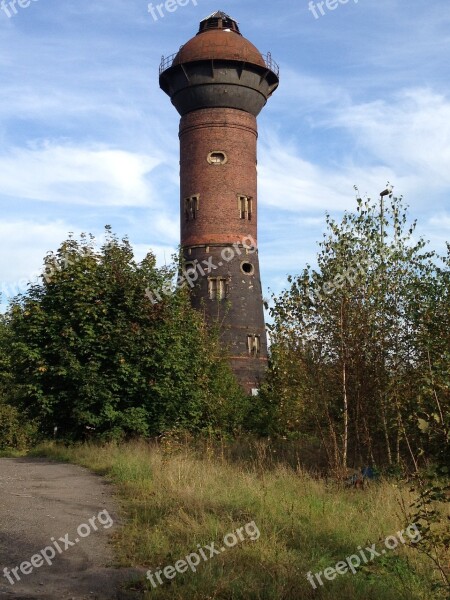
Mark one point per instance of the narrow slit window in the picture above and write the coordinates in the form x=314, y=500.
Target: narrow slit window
x=212, y=288
x=194, y=208
x=245, y=204
x=221, y=288
x=191, y=208
x=217, y=288
x=254, y=345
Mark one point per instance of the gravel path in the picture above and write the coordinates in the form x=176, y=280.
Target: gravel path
x=41, y=500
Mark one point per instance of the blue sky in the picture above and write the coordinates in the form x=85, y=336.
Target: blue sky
x=87, y=138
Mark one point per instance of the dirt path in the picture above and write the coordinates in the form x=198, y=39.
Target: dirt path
x=41, y=500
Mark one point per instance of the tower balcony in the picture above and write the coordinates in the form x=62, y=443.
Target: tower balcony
x=167, y=62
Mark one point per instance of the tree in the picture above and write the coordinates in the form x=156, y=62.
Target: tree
x=344, y=338
x=432, y=377
x=91, y=355
x=15, y=432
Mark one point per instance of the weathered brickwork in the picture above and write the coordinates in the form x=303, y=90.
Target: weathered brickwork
x=218, y=185
x=240, y=311
x=218, y=96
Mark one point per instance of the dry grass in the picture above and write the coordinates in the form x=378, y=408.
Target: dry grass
x=175, y=498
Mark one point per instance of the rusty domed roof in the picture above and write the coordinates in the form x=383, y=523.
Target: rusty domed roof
x=219, y=68
x=219, y=38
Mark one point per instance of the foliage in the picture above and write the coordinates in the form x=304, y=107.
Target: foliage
x=361, y=360
x=353, y=342
x=91, y=355
x=15, y=432
x=430, y=511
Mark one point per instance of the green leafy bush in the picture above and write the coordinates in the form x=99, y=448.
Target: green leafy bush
x=16, y=433
x=91, y=355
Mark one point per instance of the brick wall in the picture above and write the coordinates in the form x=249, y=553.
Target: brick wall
x=233, y=132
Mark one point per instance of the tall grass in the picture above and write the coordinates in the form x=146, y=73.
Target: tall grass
x=175, y=498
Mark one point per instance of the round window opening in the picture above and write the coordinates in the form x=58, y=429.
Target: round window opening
x=217, y=158
x=247, y=268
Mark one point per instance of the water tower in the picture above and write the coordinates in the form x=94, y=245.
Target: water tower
x=219, y=82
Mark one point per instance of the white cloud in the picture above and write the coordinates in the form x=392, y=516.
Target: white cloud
x=442, y=221
x=290, y=183
x=78, y=175
x=410, y=132
x=23, y=245
x=405, y=140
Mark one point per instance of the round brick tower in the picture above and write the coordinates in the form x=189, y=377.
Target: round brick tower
x=219, y=82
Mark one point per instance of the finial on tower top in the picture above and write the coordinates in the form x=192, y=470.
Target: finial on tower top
x=219, y=20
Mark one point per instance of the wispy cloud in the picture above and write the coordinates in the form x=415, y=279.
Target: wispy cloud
x=77, y=175
x=292, y=184
x=410, y=131
x=23, y=245
x=88, y=138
